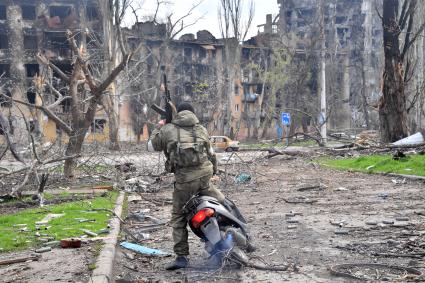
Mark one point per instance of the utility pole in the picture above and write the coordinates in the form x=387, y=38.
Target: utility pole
x=323, y=116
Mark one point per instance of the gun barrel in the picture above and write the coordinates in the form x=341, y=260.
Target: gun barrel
x=159, y=110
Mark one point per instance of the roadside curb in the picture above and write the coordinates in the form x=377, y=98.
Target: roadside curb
x=105, y=260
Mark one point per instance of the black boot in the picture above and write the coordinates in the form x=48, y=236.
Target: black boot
x=179, y=262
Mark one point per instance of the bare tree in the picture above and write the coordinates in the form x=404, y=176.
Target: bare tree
x=234, y=31
x=398, y=22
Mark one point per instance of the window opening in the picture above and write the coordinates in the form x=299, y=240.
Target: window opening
x=32, y=70
x=28, y=12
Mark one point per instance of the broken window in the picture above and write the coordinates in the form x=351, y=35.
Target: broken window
x=32, y=70
x=259, y=89
x=2, y=12
x=237, y=107
x=58, y=44
x=92, y=13
x=30, y=42
x=98, y=126
x=4, y=41
x=32, y=126
x=188, y=89
x=28, y=12
x=202, y=53
x=4, y=101
x=188, y=54
x=245, y=53
x=60, y=11
x=5, y=70
x=236, y=90
x=340, y=20
x=31, y=97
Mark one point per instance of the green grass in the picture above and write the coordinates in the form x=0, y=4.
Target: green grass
x=11, y=238
x=411, y=165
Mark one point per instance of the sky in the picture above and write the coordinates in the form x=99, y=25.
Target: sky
x=208, y=10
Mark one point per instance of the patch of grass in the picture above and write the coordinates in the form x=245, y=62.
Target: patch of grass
x=11, y=238
x=92, y=266
x=411, y=165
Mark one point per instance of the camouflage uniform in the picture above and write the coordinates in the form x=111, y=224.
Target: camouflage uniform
x=189, y=181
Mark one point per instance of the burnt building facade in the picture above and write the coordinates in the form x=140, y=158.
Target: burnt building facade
x=352, y=35
x=31, y=27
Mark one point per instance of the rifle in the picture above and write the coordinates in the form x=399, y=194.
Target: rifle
x=167, y=112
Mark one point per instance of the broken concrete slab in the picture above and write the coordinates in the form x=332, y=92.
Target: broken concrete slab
x=417, y=138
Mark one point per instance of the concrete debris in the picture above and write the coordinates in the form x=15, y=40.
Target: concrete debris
x=341, y=232
x=126, y=167
x=134, y=198
x=43, y=250
x=89, y=233
x=341, y=189
x=399, y=181
x=415, y=139
x=49, y=217
x=367, y=138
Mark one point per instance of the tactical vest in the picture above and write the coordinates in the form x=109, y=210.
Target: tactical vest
x=189, y=150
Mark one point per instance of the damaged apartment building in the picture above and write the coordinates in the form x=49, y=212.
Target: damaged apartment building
x=353, y=51
x=195, y=69
x=192, y=65
x=30, y=27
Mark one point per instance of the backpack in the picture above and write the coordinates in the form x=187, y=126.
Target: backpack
x=190, y=150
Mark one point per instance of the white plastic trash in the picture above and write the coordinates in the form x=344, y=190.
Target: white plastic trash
x=414, y=139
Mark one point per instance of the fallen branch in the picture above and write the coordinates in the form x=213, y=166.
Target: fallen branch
x=298, y=201
x=19, y=259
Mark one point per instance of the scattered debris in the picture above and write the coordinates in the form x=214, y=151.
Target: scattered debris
x=341, y=232
x=399, y=155
x=399, y=181
x=126, y=167
x=402, y=218
x=134, y=198
x=49, y=217
x=70, y=243
x=341, y=189
x=319, y=187
x=415, y=139
x=43, y=250
x=298, y=200
x=374, y=272
x=89, y=233
x=243, y=178
x=19, y=259
x=143, y=250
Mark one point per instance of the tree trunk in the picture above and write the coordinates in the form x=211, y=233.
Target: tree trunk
x=392, y=105
x=74, y=147
x=113, y=130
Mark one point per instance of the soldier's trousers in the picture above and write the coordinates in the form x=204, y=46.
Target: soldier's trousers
x=181, y=195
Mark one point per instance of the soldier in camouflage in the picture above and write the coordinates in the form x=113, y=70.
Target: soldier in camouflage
x=191, y=158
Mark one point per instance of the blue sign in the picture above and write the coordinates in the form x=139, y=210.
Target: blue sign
x=286, y=119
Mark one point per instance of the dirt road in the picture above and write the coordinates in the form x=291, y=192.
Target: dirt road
x=340, y=219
